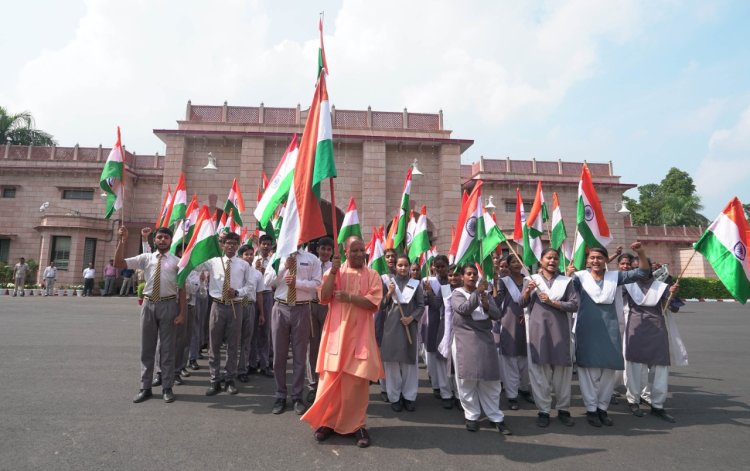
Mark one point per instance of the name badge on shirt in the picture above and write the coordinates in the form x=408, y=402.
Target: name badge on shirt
x=409, y=289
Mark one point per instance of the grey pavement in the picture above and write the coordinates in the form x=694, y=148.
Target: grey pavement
x=69, y=369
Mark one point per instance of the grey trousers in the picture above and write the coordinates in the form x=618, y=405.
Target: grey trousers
x=246, y=336
x=109, y=285
x=260, y=346
x=317, y=319
x=196, y=333
x=157, y=323
x=223, y=323
x=18, y=282
x=127, y=283
x=183, y=339
x=290, y=324
x=49, y=284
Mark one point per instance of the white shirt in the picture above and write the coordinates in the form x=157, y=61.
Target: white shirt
x=309, y=277
x=50, y=272
x=243, y=277
x=89, y=273
x=192, y=284
x=268, y=274
x=21, y=270
x=148, y=263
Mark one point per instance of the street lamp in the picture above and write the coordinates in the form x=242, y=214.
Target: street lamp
x=211, y=166
x=415, y=169
x=490, y=204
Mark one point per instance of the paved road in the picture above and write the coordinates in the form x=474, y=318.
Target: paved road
x=70, y=368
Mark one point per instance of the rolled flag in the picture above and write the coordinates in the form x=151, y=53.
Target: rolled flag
x=533, y=229
x=724, y=244
x=350, y=225
x=520, y=219
x=421, y=240
x=179, y=202
x=164, y=208
x=277, y=189
x=111, y=179
x=389, y=239
x=410, y=228
x=559, y=236
x=184, y=231
x=203, y=246
x=591, y=226
x=399, y=239
x=322, y=64
x=235, y=203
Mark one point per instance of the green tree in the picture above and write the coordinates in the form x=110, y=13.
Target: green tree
x=19, y=129
x=673, y=202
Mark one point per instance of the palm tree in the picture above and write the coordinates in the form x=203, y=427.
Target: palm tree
x=19, y=129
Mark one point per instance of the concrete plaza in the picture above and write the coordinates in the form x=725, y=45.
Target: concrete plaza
x=70, y=369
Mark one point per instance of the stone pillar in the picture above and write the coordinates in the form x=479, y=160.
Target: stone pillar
x=450, y=195
x=373, y=202
x=252, y=156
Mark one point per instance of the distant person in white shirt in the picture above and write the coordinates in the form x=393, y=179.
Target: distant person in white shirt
x=50, y=275
x=88, y=279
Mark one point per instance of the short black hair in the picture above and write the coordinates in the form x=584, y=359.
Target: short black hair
x=440, y=258
x=468, y=266
x=624, y=255
x=601, y=250
x=265, y=237
x=245, y=248
x=231, y=236
x=547, y=250
x=389, y=250
x=165, y=230
x=325, y=242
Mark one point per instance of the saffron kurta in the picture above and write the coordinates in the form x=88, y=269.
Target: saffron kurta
x=349, y=357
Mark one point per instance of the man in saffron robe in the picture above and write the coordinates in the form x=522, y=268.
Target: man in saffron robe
x=349, y=357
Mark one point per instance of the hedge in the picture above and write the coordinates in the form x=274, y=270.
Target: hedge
x=706, y=288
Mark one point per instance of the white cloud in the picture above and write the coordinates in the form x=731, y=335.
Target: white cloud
x=137, y=63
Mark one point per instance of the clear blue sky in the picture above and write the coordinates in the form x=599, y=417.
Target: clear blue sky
x=646, y=84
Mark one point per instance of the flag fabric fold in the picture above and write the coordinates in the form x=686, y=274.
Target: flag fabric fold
x=724, y=244
x=164, y=208
x=591, y=227
x=519, y=220
x=399, y=239
x=559, y=235
x=235, y=203
x=350, y=225
x=184, y=231
x=179, y=202
x=111, y=181
x=533, y=229
x=277, y=189
x=420, y=242
x=203, y=246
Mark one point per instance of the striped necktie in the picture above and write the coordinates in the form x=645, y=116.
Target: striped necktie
x=156, y=290
x=227, y=280
x=291, y=294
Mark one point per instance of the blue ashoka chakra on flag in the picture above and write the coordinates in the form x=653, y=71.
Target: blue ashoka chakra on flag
x=408, y=238
x=740, y=251
x=276, y=182
x=471, y=226
x=588, y=212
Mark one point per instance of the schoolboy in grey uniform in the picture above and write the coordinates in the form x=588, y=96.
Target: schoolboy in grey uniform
x=260, y=346
x=163, y=308
x=252, y=305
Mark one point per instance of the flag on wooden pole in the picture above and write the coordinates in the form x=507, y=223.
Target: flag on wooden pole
x=591, y=226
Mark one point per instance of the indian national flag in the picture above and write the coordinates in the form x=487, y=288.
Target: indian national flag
x=277, y=189
x=179, y=202
x=410, y=228
x=377, y=258
x=519, y=220
x=350, y=226
x=559, y=236
x=724, y=244
x=470, y=229
x=391, y=233
x=235, y=203
x=111, y=178
x=590, y=223
x=399, y=239
x=203, y=246
x=425, y=261
x=303, y=220
x=533, y=229
x=322, y=64
x=493, y=236
x=184, y=230
x=420, y=242
x=165, y=207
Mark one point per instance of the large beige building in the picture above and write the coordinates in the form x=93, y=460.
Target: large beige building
x=373, y=150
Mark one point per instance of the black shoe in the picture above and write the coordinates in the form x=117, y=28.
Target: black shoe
x=397, y=406
x=502, y=428
x=472, y=425
x=311, y=395
x=279, y=406
x=564, y=417
x=528, y=397
x=662, y=414
x=448, y=403
x=178, y=380
x=384, y=396
x=593, y=419
x=242, y=378
x=168, y=395
x=142, y=395
x=613, y=400
x=513, y=404
x=409, y=405
x=436, y=393
x=299, y=407
x=322, y=433
x=184, y=372
x=230, y=388
x=157, y=380
x=213, y=389
x=542, y=419
x=457, y=402
x=635, y=409
x=604, y=418
x=268, y=372
x=193, y=365
x=362, y=437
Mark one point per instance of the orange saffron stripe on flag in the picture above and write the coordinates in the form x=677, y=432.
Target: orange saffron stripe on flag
x=596, y=206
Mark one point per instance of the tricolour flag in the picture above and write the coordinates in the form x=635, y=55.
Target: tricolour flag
x=493, y=236
x=350, y=226
x=184, y=230
x=399, y=239
x=411, y=227
x=559, y=236
x=235, y=203
x=724, y=244
x=377, y=259
x=277, y=190
x=322, y=64
x=426, y=261
x=533, y=229
x=179, y=202
x=420, y=242
x=391, y=233
x=470, y=228
x=590, y=223
x=519, y=220
x=203, y=246
x=111, y=179
x=165, y=206
x=303, y=220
